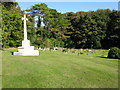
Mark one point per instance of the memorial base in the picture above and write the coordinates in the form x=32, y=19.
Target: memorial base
x=26, y=50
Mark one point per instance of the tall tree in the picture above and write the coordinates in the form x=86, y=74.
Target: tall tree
x=11, y=24
x=113, y=30
x=55, y=23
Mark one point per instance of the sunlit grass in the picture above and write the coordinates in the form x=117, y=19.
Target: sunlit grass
x=55, y=69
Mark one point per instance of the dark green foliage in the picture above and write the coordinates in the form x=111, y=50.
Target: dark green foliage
x=114, y=53
x=93, y=29
x=56, y=25
x=11, y=25
x=113, y=30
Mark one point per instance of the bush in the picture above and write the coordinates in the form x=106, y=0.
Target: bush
x=65, y=50
x=114, y=53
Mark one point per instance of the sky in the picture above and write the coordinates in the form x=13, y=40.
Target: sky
x=68, y=0
x=64, y=7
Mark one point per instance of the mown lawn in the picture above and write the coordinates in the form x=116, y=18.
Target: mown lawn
x=0, y=69
x=56, y=69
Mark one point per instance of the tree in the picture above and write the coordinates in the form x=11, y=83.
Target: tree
x=113, y=32
x=55, y=23
x=11, y=24
x=93, y=29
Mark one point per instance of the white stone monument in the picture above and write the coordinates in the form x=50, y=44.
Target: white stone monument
x=26, y=49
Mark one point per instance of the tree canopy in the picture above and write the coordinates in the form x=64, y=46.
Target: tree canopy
x=93, y=29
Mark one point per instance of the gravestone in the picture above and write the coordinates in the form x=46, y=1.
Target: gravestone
x=26, y=49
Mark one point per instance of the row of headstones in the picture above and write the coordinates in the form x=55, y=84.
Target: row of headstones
x=48, y=49
x=78, y=51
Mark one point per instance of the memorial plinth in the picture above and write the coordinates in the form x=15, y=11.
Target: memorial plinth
x=26, y=49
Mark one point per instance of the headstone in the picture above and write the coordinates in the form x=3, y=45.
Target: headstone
x=26, y=49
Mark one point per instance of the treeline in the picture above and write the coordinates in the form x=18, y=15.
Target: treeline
x=93, y=29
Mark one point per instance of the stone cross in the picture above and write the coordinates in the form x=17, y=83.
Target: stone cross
x=25, y=28
x=26, y=49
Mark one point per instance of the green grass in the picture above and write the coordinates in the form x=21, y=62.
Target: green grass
x=59, y=70
x=0, y=69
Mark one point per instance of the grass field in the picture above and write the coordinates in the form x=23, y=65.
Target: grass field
x=59, y=70
x=0, y=69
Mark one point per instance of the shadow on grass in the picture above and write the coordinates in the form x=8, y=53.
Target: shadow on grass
x=106, y=57
x=103, y=57
x=12, y=53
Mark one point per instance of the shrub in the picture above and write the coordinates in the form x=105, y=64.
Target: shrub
x=114, y=53
x=65, y=50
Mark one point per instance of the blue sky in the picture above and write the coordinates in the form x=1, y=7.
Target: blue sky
x=73, y=6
